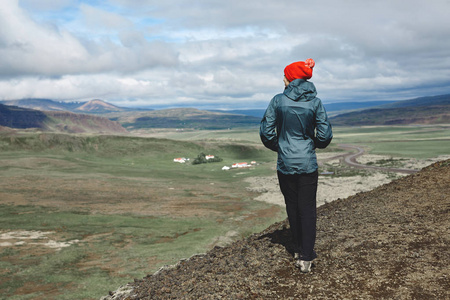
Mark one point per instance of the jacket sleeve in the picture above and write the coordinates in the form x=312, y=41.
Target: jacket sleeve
x=267, y=129
x=324, y=133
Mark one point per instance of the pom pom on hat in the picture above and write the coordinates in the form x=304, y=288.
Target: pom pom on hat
x=299, y=70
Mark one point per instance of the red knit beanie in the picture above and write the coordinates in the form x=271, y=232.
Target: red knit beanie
x=299, y=70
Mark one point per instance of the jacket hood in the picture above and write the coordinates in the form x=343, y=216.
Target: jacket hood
x=300, y=90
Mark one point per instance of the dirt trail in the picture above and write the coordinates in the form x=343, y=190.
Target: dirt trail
x=350, y=159
x=332, y=187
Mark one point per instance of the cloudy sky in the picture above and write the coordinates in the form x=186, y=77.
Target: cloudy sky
x=222, y=54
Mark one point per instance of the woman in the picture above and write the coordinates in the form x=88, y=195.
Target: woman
x=294, y=125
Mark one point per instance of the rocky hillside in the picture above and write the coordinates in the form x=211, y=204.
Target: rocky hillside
x=389, y=243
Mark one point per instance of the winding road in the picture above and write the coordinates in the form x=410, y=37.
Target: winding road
x=350, y=159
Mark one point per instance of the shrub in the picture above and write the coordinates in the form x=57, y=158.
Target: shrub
x=201, y=159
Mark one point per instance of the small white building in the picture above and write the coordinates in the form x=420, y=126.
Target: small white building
x=240, y=165
x=209, y=157
x=180, y=160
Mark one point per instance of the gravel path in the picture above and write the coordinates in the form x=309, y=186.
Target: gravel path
x=388, y=243
x=350, y=159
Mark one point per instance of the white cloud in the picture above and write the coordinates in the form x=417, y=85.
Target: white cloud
x=28, y=48
x=221, y=53
x=96, y=18
x=35, y=49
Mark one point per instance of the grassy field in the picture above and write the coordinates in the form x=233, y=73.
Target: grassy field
x=401, y=141
x=81, y=215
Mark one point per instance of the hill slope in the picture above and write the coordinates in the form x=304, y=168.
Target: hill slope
x=424, y=110
x=389, y=243
x=18, y=117
x=81, y=123
x=57, y=121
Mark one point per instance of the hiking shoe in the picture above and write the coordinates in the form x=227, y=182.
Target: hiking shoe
x=304, y=265
x=297, y=260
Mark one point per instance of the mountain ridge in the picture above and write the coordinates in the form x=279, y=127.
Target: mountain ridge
x=422, y=110
x=57, y=121
x=94, y=106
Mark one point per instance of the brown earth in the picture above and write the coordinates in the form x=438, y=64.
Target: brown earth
x=80, y=123
x=388, y=243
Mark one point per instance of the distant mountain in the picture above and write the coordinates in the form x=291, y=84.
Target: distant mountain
x=42, y=104
x=98, y=106
x=259, y=113
x=95, y=106
x=56, y=121
x=346, y=106
x=421, y=101
x=183, y=118
x=331, y=108
x=423, y=110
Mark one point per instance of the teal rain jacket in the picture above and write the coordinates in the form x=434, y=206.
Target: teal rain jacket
x=294, y=125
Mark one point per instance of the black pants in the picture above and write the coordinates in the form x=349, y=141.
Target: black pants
x=299, y=191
